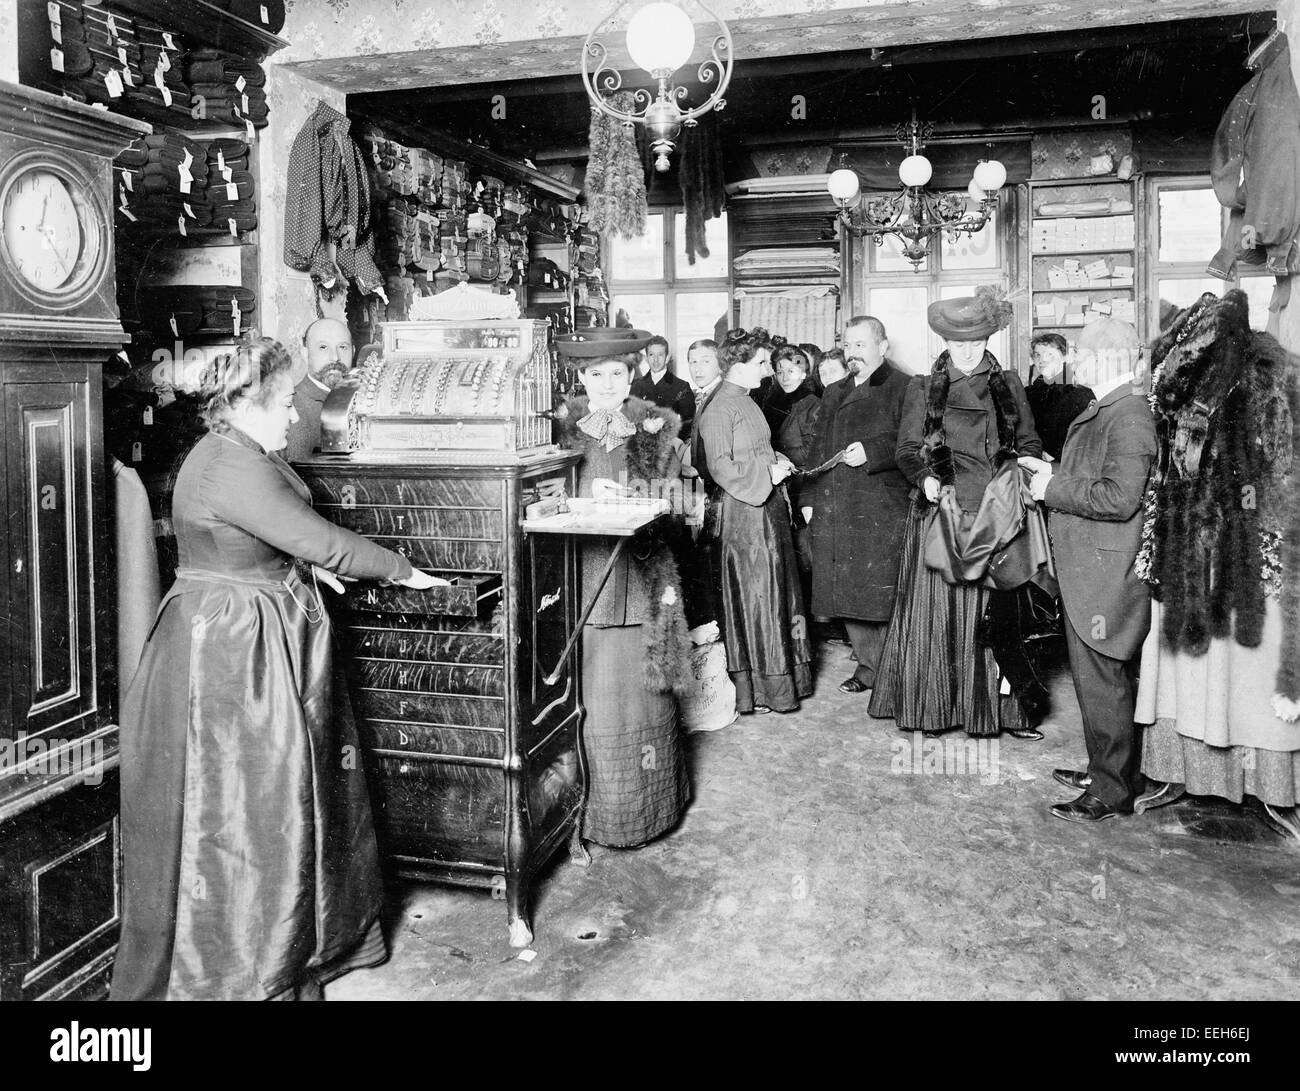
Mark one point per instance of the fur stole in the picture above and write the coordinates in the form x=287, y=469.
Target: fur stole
x=935, y=451
x=650, y=456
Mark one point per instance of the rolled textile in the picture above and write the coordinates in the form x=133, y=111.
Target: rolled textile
x=267, y=14
x=229, y=148
x=214, y=66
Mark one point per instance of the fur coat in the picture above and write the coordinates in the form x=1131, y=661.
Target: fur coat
x=644, y=589
x=1223, y=512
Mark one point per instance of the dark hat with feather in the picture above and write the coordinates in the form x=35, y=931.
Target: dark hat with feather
x=972, y=317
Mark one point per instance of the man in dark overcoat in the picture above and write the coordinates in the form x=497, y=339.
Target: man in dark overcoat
x=858, y=508
x=1095, y=502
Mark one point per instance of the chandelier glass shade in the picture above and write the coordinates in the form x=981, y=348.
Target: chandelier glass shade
x=915, y=215
x=660, y=39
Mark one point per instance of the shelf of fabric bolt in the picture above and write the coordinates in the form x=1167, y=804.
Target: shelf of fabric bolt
x=209, y=24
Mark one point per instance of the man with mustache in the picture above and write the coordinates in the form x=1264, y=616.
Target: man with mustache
x=328, y=342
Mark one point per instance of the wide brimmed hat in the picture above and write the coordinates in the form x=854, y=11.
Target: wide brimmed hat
x=601, y=342
x=972, y=317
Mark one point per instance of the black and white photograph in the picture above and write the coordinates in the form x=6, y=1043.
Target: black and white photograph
x=652, y=500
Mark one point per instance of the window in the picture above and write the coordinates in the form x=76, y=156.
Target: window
x=891, y=291
x=1188, y=225
x=661, y=291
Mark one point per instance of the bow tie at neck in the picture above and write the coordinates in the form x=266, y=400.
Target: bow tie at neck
x=607, y=426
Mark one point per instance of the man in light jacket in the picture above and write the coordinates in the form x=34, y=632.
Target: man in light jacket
x=1095, y=501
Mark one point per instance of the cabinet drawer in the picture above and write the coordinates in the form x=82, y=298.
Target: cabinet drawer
x=459, y=523
x=440, y=812
x=466, y=596
x=429, y=739
x=428, y=708
x=440, y=678
x=427, y=645
x=360, y=491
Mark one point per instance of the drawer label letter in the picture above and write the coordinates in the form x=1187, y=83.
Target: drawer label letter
x=348, y=496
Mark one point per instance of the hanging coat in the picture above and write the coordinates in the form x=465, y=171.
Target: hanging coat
x=858, y=511
x=328, y=230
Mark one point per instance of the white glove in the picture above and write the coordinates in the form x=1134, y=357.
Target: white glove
x=329, y=579
x=855, y=455
x=780, y=470
x=931, y=487
x=1034, y=465
x=422, y=581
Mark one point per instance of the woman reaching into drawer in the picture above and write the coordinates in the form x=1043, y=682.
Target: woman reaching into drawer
x=634, y=645
x=250, y=863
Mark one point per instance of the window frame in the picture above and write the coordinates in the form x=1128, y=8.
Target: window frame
x=670, y=285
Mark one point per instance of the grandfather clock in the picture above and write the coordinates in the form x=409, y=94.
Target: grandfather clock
x=59, y=852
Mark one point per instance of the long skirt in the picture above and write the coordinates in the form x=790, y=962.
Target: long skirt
x=769, y=656
x=637, y=787
x=934, y=675
x=249, y=850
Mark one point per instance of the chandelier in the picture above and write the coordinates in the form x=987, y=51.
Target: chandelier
x=914, y=215
x=660, y=39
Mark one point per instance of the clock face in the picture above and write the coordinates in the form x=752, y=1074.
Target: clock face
x=49, y=231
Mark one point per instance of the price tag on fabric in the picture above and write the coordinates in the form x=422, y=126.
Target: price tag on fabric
x=234, y=313
x=188, y=211
x=158, y=80
x=185, y=180
x=121, y=55
x=221, y=161
x=167, y=95
x=113, y=81
x=126, y=212
x=56, y=59
x=137, y=451
x=172, y=322
x=112, y=25
x=245, y=102
x=168, y=40
x=148, y=414
x=127, y=78
x=164, y=60
x=180, y=221
x=234, y=231
x=187, y=160
x=251, y=134
x=266, y=15
x=240, y=84
x=56, y=32
x=227, y=173
x=56, y=15
x=127, y=180
x=232, y=191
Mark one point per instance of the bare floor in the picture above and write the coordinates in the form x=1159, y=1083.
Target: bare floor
x=823, y=858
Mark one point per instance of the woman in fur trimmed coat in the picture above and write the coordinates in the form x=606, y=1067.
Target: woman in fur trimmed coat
x=960, y=423
x=636, y=761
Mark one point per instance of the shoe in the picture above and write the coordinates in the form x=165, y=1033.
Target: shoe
x=1157, y=795
x=1073, y=778
x=852, y=685
x=1032, y=734
x=761, y=710
x=1087, y=808
x=1036, y=703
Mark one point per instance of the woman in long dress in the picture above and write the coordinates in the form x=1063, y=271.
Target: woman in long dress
x=763, y=623
x=251, y=870
x=634, y=645
x=959, y=424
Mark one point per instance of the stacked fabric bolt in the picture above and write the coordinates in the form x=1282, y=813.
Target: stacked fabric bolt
x=267, y=14
x=161, y=63
x=230, y=186
x=162, y=181
x=180, y=310
x=233, y=88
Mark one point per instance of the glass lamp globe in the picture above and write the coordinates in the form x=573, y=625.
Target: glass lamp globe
x=915, y=170
x=843, y=184
x=990, y=175
x=975, y=193
x=660, y=37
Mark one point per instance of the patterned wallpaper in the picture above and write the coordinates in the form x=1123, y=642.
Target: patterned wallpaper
x=287, y=298
x=376, y=45
x=9, y=40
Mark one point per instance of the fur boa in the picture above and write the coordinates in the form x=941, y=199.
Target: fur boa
x=650, y=452
x=934, y=449
x=1226, y=400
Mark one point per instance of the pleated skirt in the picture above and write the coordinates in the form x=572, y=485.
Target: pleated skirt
x=637, y=785
x=769, y=656
x=934, y=675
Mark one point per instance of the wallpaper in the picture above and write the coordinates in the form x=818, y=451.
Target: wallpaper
x=287, y=299
x=9, y=40
x=373, y=45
